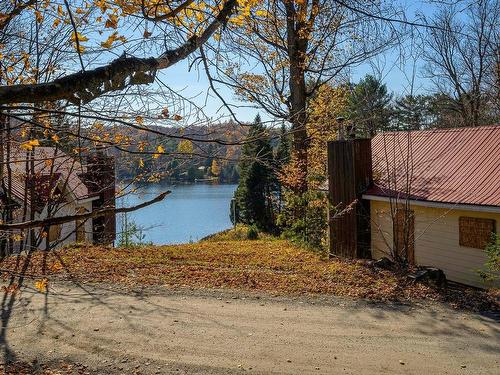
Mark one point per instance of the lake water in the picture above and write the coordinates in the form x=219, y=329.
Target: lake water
x=189, y=213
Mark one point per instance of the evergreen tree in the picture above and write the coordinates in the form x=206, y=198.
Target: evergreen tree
x=369, y=106
x=281, y=159
x=417, y=112
x=284, y=147
x=256, y=190
x=413, y=112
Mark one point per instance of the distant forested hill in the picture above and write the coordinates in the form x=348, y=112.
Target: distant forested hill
x=205, y=152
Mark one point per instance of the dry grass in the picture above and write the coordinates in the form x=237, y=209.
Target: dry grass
x=274, y=266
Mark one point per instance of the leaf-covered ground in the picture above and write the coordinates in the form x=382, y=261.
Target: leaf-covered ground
x=35, y=368
x=273, y=266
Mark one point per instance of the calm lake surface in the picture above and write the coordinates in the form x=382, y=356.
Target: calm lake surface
x=189, y=213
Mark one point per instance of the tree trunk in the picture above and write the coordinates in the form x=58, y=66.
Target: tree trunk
x=4, y=204
x=298, y=119
x=297, y=52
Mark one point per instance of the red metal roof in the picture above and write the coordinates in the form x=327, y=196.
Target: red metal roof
x=460, y=165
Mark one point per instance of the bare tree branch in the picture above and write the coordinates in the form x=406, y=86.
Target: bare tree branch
x=86, y=216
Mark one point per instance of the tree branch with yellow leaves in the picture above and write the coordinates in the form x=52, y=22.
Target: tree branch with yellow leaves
x=83, y=87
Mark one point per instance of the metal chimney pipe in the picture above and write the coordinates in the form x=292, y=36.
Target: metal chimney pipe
x=340, y=131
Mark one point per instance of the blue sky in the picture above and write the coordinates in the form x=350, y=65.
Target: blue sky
x=396, y=74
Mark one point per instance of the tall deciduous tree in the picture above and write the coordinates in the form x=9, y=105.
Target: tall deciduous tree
x=273, y=50
x=328, y=104
x=303, y=218
x=462, y=55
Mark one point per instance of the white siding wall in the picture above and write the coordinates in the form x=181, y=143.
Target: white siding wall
x=67, y=229
x=436, y=240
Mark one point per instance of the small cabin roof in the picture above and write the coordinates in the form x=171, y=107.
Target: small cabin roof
x=457, y=166
x=48, y=161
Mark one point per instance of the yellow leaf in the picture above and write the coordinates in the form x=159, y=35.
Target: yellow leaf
x=185, y=146
x=159, y=150
x=55, y=138
x=57, y=266
x=81, y=38
x=141, y=163
x=108, y=43
x=17, y=237
x=177, y=117
x=111, y=39
x=112, y=21
x=38, y=16
x=41, y=285
x=139, y=120
x=28, y=145
x=102, y=5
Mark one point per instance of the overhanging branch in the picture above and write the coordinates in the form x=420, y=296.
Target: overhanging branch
x=86, y=216
x=82, y=87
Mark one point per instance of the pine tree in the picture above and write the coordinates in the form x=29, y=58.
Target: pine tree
x=256, y=190
x=413, y=112
x=284, y=146
x=369, y=106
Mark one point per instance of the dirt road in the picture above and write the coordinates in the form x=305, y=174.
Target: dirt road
x=160, y=331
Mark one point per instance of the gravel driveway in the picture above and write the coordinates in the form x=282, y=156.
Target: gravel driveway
x=159, y=331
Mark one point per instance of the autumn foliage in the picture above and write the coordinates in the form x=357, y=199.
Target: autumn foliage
x=273, y=266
